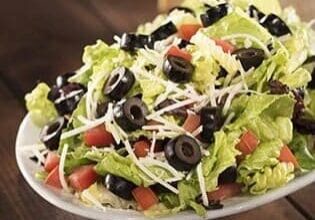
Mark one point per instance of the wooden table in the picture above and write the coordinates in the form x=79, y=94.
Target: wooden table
x=40, y=39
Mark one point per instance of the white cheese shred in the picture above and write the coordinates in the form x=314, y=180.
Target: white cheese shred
x=202, y=185
x=147, y=171
x=61, y=168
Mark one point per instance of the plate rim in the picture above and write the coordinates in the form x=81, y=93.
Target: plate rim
x=88, y=212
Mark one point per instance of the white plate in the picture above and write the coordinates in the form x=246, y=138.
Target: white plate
x=28, y=134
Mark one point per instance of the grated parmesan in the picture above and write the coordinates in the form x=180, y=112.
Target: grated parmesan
x=202, y=185
x=61, y=168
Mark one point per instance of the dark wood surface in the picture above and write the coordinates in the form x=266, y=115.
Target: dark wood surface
x=40, y=39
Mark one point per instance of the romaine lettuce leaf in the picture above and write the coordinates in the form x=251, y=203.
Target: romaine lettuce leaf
x=301, y=146
x=298, y=79
x=41, y=110
x=270, y=178
x=76, y=158
x=124, y=167
x=105, y=197
x=261, y=170
x=79, y=111
x=264, y=105
x=101, y=57
x=238, y=22
x=271, y=6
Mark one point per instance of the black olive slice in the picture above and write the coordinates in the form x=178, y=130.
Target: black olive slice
x=178, y=69
x=228, y=176
x=62, y=80
x=278, y=88
x=50, y=134
x=131, y=114
x=164, y=31
x=119, y=186
x=183, y=153
x=275, y=25
x=119, y=83
x=214, y=14
x=250, y=57
x=255, y=13
x=184, y=9
x=130, y=41
x=211, y=121
x=213, y=205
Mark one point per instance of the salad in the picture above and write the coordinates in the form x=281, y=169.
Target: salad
x=212, y=100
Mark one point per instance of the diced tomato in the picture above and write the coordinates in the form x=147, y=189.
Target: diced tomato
x=145, y=197
x=192, y=122
x=226, y=46
x=287, y=156
x=83, y=177
x=248, y=143
x=98, y=137
x=186, y=31
x=51, y=161
x=141, y=148
x=225, y=191
x=175, y=51
x=53, y=178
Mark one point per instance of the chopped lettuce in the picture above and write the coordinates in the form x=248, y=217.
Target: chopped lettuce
x=272, y=106
x=301, y=146
x=206, y=69
x=124, y=167
x=238, y=22
x=101, y=58
x=79, y=111
x=298, y=79
x=261, y=170
x=105, y=197
x=41, y=110
x=76, y=158
x=271, y=6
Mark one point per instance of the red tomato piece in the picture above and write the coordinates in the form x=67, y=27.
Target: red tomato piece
x=53, y=178
x=225, y=191
x=248, y=143
x=186, y=31
x=175, y=51
x=51, y=161
x=192, y=122
x=145, y=197
x=226, y=46
x=141, y=148
x=98, y=137
x=83, y=177
x=287, y=156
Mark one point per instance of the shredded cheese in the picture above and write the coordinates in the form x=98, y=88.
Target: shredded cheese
x=61, y=168
x=84, y=128
x=202, y=185
x=146, y=170
x=171, y=107
x=251, y=38
x=153, y=143
x=164, y=165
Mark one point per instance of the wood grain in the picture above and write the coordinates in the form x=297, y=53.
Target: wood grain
x=40, y=39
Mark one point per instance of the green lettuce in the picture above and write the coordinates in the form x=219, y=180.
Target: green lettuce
x=264, y=105
x=101, y=57
x=272, y=68
x=76, y=159
x=222, y=155
x=301, y=146
x=238, y=22
x=125, y=167
x=266, y=128
x=41, y=110
x=299, y=78
x=79, y=111
x=206, y=70
x=271, y=6
x=262, y=171
x=150, y=90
